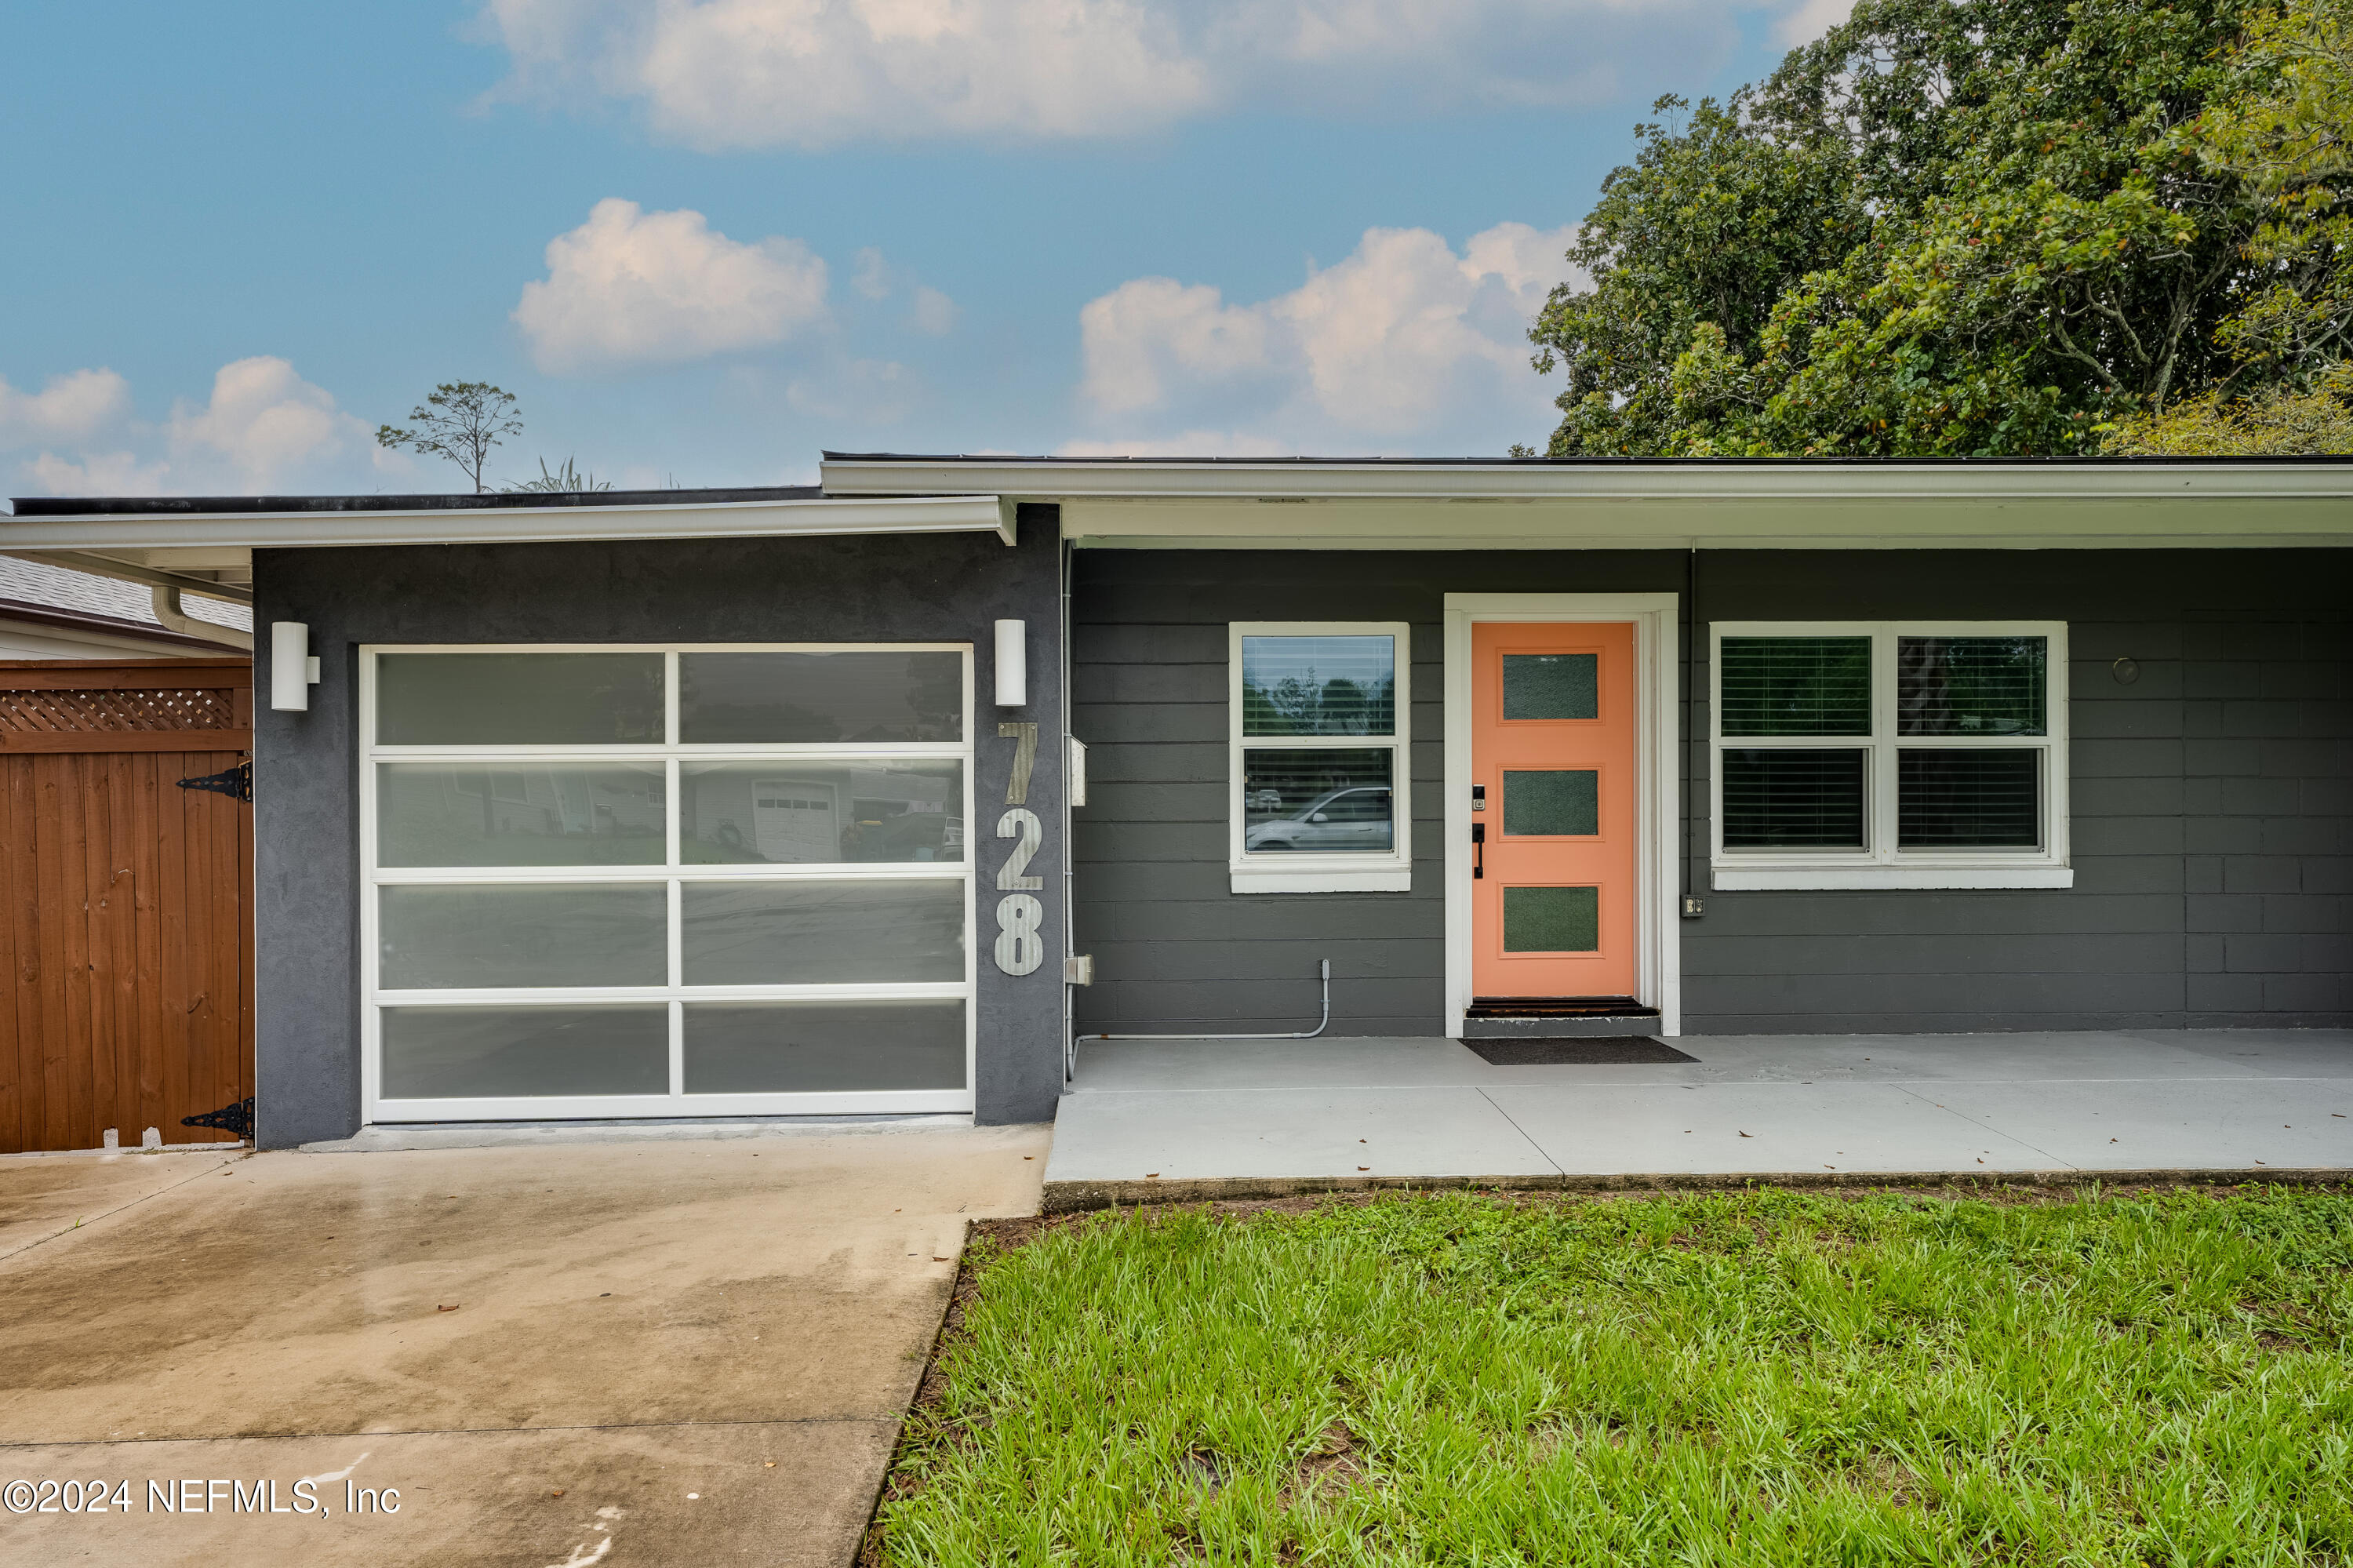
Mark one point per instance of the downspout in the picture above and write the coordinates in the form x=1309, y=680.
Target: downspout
x=1065, y=556
x=175, y=619
x=1692, y=751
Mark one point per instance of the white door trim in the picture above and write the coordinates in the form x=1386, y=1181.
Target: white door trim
x=1653, y=616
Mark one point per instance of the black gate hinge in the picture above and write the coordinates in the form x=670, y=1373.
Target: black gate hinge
x=235, y=782
x=237, y=1119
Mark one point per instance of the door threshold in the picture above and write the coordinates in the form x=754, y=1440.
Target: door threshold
x=394, y=1136
x=1557, y=1018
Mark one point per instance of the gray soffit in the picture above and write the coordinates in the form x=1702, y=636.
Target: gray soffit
x=1401, y=504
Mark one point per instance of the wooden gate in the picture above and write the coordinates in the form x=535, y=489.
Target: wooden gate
x=126, y=854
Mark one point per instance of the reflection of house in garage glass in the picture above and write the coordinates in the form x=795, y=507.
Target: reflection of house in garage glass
x=751, y=813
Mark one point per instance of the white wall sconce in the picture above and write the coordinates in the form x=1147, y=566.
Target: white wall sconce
x=293, y=668
x=1012, y=664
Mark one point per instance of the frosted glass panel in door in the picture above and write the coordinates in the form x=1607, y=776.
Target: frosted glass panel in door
x=498, y=1053
x=802, y=932
x=815, y=813
x=518, y=699
x=802, y=699
x=496, y=938
x=517, y=813
x=784, y=1047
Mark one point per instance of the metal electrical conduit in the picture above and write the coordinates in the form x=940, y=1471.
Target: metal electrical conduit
x=1324, y=965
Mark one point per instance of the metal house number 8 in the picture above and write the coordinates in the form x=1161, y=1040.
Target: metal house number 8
x=1020, y=943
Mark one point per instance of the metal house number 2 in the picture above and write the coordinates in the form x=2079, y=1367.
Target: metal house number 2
x=1021, y=918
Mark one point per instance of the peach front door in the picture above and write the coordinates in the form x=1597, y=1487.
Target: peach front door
x=1553, y=897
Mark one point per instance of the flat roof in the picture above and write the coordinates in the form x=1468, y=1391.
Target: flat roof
x=1000, y=459
x=222, y=506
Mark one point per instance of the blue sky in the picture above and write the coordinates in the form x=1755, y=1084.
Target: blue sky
x=700, y=239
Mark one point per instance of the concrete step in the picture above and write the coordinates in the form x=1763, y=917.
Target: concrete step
x=1575, y=1026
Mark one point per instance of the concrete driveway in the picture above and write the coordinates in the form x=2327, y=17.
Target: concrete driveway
x=650, y=1352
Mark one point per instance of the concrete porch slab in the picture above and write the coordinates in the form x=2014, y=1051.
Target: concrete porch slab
x=1233, y=1118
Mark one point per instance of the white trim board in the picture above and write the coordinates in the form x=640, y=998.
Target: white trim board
x=1885, y=863
x=1389, y=872
x=215, y=531
x=1657, y=660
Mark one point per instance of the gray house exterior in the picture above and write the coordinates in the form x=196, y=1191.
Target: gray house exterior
x=735, y=803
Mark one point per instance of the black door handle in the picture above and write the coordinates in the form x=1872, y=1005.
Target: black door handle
x=1478, y=848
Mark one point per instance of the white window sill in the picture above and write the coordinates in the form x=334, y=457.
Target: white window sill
x=1256, y=878
x=1796, y=878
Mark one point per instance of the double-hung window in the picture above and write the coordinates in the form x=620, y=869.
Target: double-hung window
x=683, y=881
x=1317, y=757
x=1890, y=754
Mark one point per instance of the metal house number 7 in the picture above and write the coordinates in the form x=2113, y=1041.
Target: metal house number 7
x=1021, y=918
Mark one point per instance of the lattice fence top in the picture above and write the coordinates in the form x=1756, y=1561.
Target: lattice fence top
x=136, y=709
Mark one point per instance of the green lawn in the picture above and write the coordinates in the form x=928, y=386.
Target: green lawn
x=1737, y=1377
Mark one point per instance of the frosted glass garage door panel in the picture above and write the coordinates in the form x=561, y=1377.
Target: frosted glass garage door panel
x=805, y=699
x=823, y=933
x=498, y=938
x=501, y=1052
x=808, y=1047
x=518, y=699
x=517, y=814
x=813, y=813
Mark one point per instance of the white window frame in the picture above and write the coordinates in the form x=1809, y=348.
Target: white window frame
x=671, y=872
x=1335, y=871
x=1882, y=865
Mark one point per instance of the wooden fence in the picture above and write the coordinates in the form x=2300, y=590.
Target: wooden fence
x=126, y=856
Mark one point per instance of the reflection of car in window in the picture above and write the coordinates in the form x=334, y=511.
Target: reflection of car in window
x=1262, y=800
x=1358, y=818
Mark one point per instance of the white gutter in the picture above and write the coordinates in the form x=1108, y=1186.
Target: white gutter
x=960, y=514
x=1243, y=479
x=1271, y=504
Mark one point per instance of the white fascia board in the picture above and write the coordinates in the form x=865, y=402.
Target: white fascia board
x=962, y=514
x=1810, y=481
x=1673, y=506
x=1728, y=523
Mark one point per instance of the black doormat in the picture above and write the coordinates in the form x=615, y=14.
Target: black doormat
x=1600, y=1051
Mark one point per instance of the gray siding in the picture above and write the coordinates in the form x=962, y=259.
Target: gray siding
x=2211, y=823
x=939, y=588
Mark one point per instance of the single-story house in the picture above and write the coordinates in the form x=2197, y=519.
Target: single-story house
x=864, y=798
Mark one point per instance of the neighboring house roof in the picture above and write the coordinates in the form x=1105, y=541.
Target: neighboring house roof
x=42, y=595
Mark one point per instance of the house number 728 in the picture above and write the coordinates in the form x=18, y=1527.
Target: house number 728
x=1021, y=918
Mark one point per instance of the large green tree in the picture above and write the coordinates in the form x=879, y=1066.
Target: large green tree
x=1958, y=226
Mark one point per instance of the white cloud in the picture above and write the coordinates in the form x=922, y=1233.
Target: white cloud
x=1151, y=331
x=268, y=423
x=629, y=287
x=935, y=313
x=754, y=73
x=872, y=277
x=1402, y=342
x=72, y=406
x=1810, y=20
x=263, y=429
x=101, y=473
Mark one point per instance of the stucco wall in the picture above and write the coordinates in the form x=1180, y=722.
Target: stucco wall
x=948, y=588
x=2213, y=816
